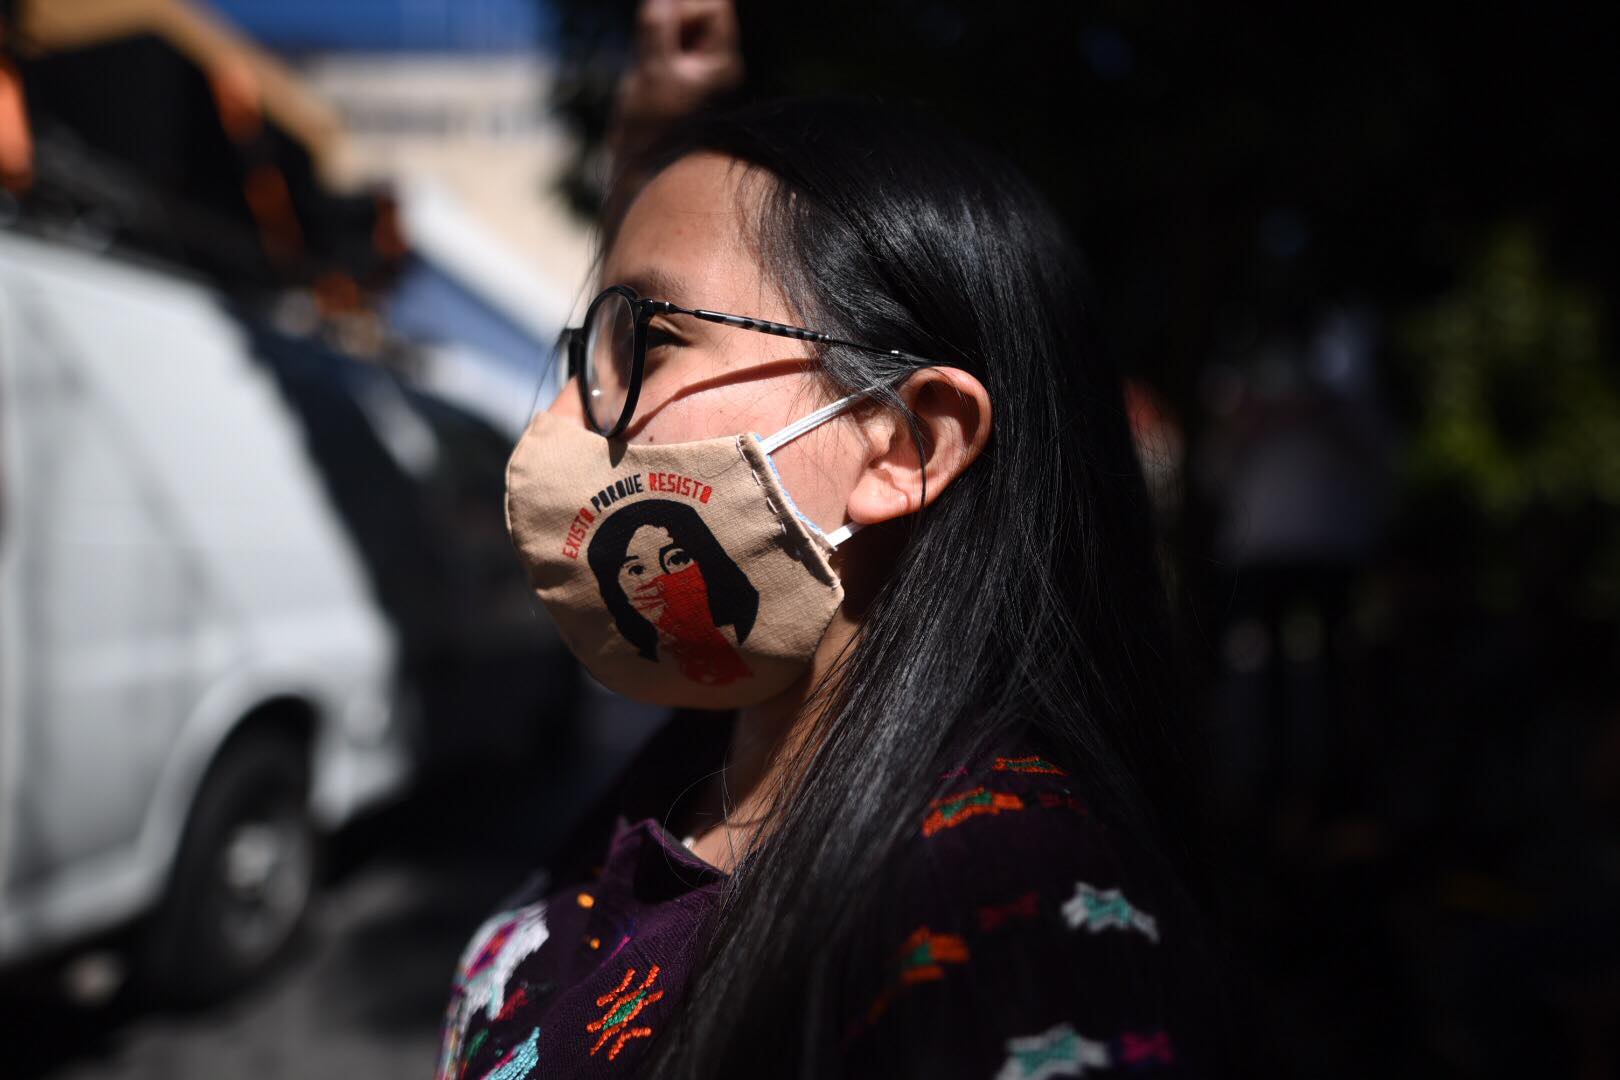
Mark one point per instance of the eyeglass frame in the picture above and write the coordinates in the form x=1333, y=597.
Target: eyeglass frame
x=644, y=308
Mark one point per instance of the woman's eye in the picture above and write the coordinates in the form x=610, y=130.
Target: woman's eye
x=657, y=337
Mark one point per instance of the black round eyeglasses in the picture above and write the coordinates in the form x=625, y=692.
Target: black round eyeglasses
x=609, y=352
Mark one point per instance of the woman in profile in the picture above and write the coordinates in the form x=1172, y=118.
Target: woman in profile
x=958, y=843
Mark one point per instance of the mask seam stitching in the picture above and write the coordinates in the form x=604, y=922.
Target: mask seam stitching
x=763, y=491
x=787, y=537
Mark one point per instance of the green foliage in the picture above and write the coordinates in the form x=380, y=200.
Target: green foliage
x=1517, y=430
x=1518, y=408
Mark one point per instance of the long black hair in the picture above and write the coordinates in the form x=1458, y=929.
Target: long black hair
x=733, y=600
x=881, y=224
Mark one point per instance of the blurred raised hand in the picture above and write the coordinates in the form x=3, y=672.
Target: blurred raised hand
x=686, y=53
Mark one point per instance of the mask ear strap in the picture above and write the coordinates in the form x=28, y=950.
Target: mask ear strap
x=842, y=533
x=808, y=423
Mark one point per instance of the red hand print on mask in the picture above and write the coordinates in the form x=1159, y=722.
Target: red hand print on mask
x=681, y=600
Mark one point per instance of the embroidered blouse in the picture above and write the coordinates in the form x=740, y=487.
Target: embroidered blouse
x=1035, y=946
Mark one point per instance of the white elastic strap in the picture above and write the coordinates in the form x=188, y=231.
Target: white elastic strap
x=839, y=535
x=807, y=423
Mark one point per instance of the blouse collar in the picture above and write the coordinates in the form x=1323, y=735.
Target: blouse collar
x=646, y=858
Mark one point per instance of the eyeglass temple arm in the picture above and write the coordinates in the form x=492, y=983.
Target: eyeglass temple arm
x=799, y=332
x=765, y=325
x=564, y=346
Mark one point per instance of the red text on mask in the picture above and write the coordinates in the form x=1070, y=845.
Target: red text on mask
x=576, y=532
x=676, y=484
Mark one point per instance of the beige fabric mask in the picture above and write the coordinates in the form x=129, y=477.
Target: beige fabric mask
x=678, y=573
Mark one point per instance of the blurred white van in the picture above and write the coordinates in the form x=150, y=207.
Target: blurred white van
x=195, y=678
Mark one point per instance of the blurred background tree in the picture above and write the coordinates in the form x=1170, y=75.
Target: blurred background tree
x=1516, y=430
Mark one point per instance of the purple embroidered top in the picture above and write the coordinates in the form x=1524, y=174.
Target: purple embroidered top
x=1035, y=946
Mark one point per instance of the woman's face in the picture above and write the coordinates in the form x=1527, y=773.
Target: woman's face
x=650, y=554
x=683, y=239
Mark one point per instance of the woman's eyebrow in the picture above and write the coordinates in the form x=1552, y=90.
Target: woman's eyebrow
x=658, y=284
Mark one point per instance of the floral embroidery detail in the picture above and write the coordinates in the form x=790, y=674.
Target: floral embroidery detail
x=924, y=952
x=955, y=809
x=498, y=946
x=496, y=950
x=1025, y=907
x=1100, y=909
x=1057, y=1051
x=513, y=1004
x=519, y=1062
x=1032, y=763
x=472, y=1049
x=623, y=1005
x=1061, y=1051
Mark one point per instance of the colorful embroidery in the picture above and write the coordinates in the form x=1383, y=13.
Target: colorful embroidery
x=1025, y=907
x=1033, y=763
x=519, y=1062
x=1061, y=1051
x=924, y=952
x=472, y=1049
x=960, y=770
x=1057, y=1051
x=623, y=1006
x=955, y=809
x=921, y=958
x=1100, y=909
x=513, y=1004
x=586, y=900
x=497, y=947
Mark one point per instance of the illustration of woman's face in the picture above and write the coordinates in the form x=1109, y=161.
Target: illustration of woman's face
x=651, y=553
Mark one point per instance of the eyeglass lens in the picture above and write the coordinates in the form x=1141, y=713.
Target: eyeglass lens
x=610, y=335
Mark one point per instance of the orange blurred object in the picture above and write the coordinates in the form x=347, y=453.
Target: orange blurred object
x=237, y=94
x=16, y=138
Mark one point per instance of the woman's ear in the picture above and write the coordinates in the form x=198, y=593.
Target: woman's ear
x=952, y=409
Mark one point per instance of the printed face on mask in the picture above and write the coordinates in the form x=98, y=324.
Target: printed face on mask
x=660, y=597
x=650, y=555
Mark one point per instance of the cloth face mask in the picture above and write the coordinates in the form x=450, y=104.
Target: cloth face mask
x=678, y=573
